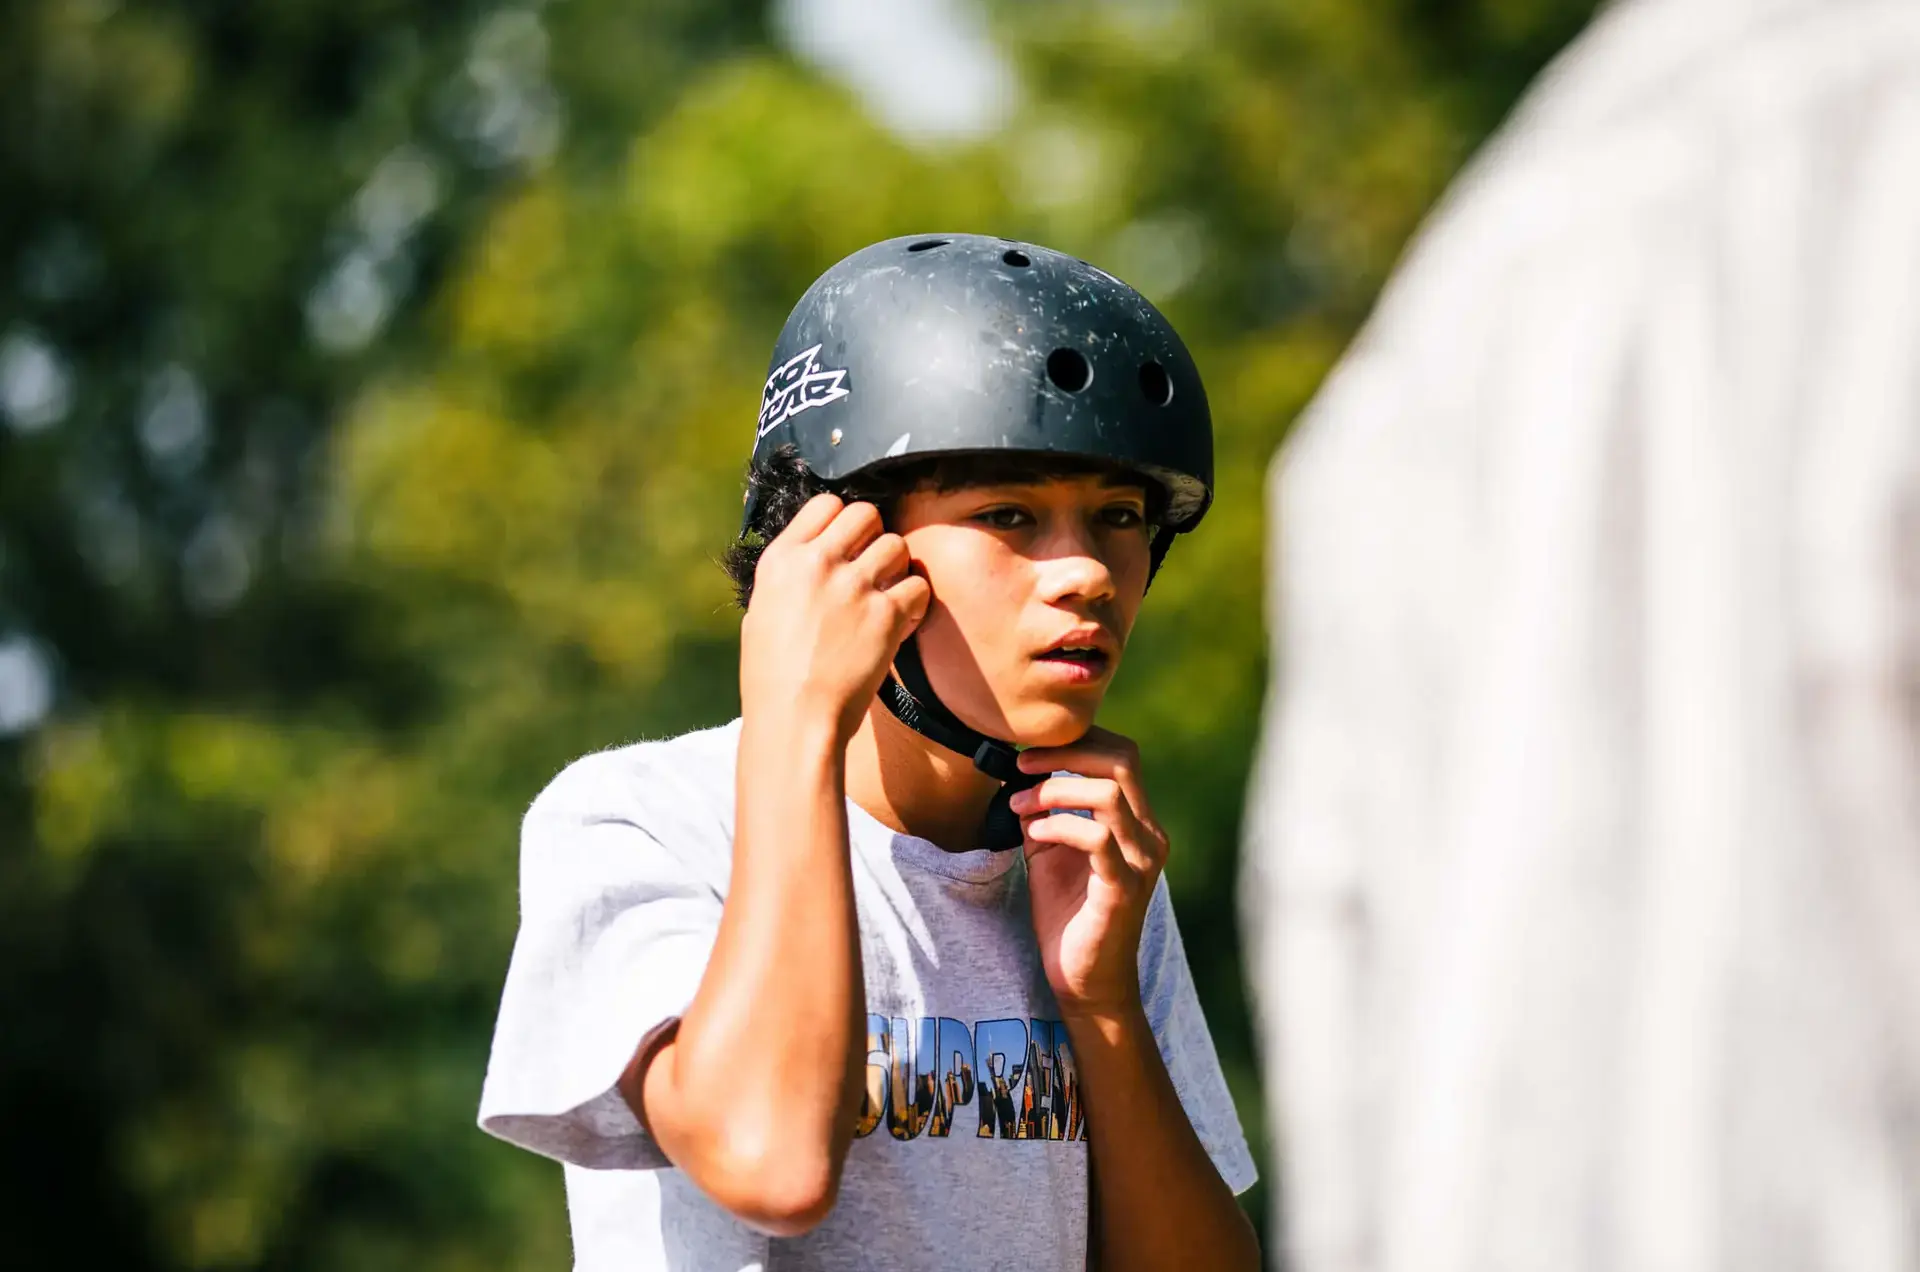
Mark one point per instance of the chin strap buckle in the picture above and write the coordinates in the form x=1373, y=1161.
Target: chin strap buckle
x=997, y=759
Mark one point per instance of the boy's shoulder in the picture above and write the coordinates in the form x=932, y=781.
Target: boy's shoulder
x=644, y=782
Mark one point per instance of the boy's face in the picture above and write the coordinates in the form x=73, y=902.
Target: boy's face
x=1019, y=571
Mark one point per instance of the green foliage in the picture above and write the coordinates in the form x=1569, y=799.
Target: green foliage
x=334, y=588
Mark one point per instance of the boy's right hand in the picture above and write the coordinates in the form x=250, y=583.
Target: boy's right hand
x=833, y=598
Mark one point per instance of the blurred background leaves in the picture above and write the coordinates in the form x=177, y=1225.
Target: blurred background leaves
x=375, y=381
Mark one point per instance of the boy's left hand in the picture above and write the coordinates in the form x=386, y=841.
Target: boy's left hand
x=1090, y=878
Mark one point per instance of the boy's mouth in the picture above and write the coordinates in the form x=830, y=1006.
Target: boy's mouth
x=1082, y=655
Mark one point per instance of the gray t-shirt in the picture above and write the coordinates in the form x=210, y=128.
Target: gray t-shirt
x=972, y=1151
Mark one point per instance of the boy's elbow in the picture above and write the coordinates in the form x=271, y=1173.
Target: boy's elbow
x=786, y=1210
x=750, y=1157
x=782, y=1189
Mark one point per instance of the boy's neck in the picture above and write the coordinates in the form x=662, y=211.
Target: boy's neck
x=914, y=785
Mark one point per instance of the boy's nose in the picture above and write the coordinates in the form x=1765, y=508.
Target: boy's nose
x=1074, y=567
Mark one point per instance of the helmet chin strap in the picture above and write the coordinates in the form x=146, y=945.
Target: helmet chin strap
x=911, y=699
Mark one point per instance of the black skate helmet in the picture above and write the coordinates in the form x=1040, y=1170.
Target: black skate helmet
x=940, y=344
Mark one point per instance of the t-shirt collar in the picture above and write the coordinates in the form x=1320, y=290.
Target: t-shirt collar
x=909, y=852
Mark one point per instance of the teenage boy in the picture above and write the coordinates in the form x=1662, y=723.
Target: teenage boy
x=884, y=974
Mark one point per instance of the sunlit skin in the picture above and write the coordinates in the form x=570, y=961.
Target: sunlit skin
x=1014, y=570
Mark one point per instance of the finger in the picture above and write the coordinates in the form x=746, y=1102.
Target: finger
x=1100, y=753
x=910, y=596
x=885, y=562
x=856, y=526
x=1106, y=802
x=1097, y=747
x=1097, y=795
x=814, y=516
x=1082, y=835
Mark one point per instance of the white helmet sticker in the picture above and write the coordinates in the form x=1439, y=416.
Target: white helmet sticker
x=798, y=384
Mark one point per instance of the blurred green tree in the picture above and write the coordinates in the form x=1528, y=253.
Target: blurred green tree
x=376, y=379
x=219, y=222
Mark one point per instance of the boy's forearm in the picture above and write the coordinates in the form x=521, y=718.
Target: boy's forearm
x=1159, y=1202
x=753, y=1096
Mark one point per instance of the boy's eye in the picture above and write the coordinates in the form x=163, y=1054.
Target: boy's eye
x=1004, y=518
x=1122, y=516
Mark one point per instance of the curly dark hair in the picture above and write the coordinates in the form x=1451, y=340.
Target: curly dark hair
x=782, y=483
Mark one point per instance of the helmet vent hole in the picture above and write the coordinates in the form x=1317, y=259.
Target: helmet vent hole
x=1155, y=384
x=1017, y=259
x=927, y=245
x=1069, y=369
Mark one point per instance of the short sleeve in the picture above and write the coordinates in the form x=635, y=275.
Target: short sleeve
x=1179, y=1026
x=615, y=932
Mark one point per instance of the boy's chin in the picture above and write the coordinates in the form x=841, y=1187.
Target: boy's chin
x=1051, y=724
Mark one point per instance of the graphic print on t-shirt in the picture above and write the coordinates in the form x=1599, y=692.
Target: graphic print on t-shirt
x=923, y=1073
